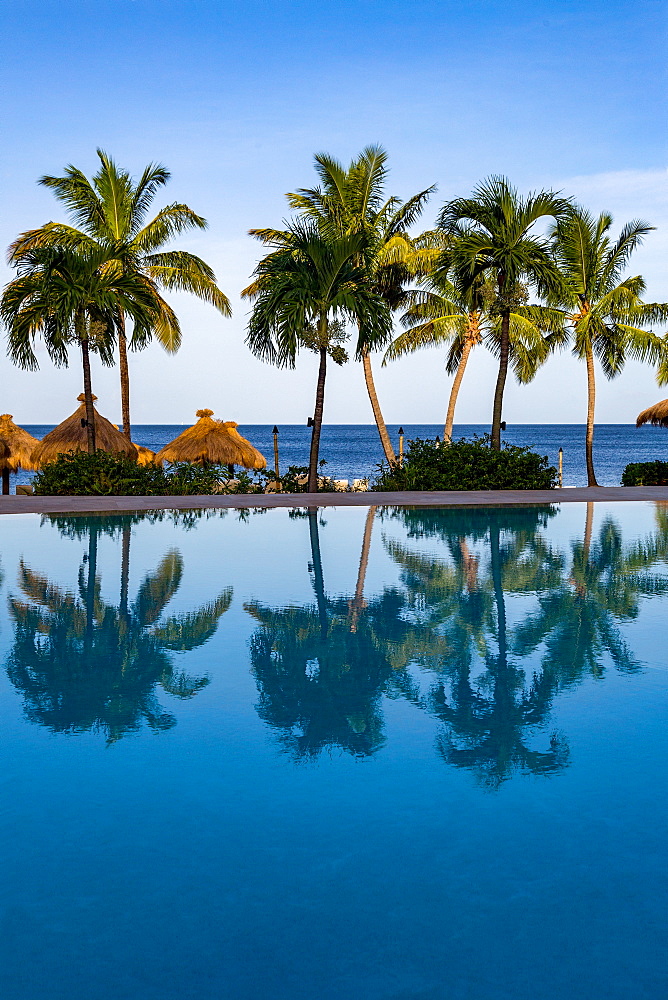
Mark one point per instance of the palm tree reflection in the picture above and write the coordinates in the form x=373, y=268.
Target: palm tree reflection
x=83, y=664
x=492, y=695
x=321, y=669
x=490, y=707
x=578, y=621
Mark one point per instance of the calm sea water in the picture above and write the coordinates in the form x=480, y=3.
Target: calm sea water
x=387, y=754
x=353, y=450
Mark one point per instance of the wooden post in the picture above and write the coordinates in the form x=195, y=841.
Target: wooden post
x=275, y=433
x=561, y=468
x=401, y=447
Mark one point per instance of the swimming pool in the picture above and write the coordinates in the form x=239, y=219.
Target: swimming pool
x=335, y=754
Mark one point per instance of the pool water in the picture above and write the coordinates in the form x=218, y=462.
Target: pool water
x=383, y=754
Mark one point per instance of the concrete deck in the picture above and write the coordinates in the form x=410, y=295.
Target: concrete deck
x=82, y=505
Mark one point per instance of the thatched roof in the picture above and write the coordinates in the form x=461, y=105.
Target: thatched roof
x=656, y=415
x=144, y=455
x=71, y=436
x=252, y=458
x=19, y=443
x=212, y=442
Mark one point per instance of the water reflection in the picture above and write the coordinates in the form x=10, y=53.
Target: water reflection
x=82, y=663
x=497, y=619
x=481, y=691
x=321, y=668
x=578, y=620
x=485, y=621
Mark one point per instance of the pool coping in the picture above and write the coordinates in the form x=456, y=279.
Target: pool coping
x=454, y=498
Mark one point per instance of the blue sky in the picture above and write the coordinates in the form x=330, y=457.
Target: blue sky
x=236, y=98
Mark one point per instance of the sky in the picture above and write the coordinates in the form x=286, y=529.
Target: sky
x=236, y=98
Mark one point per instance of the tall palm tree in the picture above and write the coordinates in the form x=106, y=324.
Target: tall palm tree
x=443, y=312
x=83, y=664
x=353, y=199
x=308, y=285
x=578, y=621
x=111, y=212
x=602, y=312
x=493, y=233
x=321, y=669
x=71, y=296
x=487, y=713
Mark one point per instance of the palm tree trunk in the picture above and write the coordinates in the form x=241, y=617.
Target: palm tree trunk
x=88, y=391
x=90, y=587
x=501, y=380
x=317, y=422
x=454, y=392
x=318, y=578
x=357, y=602
x=125, y=377
x=495, y=560
x=375, y=406
x=589, y=524
x=591, y=403
x=125, y=571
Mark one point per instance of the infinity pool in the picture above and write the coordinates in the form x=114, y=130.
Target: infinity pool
x=402, y=753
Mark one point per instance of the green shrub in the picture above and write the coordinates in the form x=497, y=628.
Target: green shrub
x=467, y=465
x=186, y=479
x=78, y=474
x=293, y=480
x=645, y=474
x=105, y=474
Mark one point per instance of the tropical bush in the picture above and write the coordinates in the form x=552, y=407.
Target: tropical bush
x=105, y=474
x=467, y=465
x=293, y=480
x=645, y=474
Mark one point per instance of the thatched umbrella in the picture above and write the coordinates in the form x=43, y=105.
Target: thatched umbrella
x=251, y=457
x=17, y=450
x=211, y=442
x=144, y=455
x=71, y=435
x=656, y=415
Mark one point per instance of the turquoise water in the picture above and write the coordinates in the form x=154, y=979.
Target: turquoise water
x=403, y=754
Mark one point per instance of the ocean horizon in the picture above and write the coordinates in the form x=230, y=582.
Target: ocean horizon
x=353, y=451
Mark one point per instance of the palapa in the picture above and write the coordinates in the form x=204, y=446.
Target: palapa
x=144, y=455
x=70, y=435
x=19, y=442
x=211, y=442
x=252, y=458
x=16, y=447
x=656, y=415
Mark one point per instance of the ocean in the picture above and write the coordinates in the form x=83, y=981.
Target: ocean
x=353, y=451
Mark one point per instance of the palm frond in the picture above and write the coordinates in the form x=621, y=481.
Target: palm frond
x=180, y=271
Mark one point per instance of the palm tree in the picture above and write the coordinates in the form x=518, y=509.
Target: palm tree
x=85, y=665
x=73, y=296
x=602, y=312
x=578, y=621
x=492, y=233
x=353, y=199
x=488, y=713
x=442, y=312
x=110, y=212
x=304, y=289
x=322, y=668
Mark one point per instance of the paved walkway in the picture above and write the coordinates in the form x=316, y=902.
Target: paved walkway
x=81, y=505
